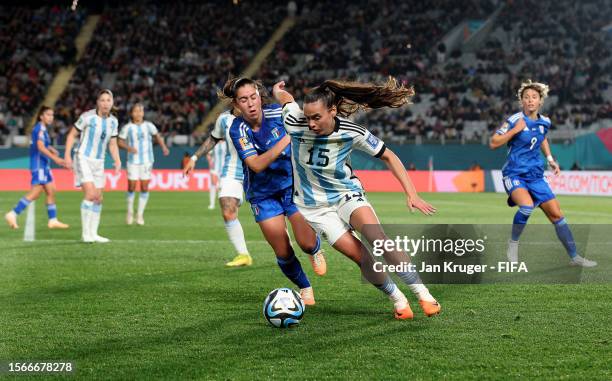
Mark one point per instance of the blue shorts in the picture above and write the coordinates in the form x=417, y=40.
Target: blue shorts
x=42, y=176
x=538, y=189
x=274, y=205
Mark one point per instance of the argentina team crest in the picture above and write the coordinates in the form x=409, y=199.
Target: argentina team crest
x=372, y=140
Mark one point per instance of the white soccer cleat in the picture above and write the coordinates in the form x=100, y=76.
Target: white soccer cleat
x=583, y=262
x=512, y=252
x=140, y=220
x=11, y=219
x=129, y=219
x=100, y=239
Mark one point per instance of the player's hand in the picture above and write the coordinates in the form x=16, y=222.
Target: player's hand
x=165, y=151
x=68, y=162
x=278, y=86
x=132, y=150
x=420, y=204
x=188, y=168
x=518, y=127
x=555, y=167
x=117, y=166
x=61, y=162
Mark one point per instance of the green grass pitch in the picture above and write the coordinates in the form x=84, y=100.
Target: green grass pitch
x=158, y=303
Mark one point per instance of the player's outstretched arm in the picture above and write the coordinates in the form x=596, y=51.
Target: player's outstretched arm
x=545, y=147
x=48, y=152
x=499, y=139
x=258, y=163
x=114, y=151
x=72, y=135
x=207, y=145
x=280, y=94
x=399, y=171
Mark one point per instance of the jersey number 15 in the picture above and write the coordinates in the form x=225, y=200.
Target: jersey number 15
x=323, y=158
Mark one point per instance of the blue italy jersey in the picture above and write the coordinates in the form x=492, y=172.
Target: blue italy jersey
x=524, y=157
x=278, y=176
x=37, y=159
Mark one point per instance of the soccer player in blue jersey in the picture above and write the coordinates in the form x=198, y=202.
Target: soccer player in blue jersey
x=41, y=154
x=328, y=193
x=523, y=172
x=261, y=142
x=135, y=137
x=230, y=184
x=99, y=130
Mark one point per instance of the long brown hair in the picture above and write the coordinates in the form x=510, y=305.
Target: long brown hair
x=114, y=110
x=231, y=86
x=42, y=110
x=349, y=97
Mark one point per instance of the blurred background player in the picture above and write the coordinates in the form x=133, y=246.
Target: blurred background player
x=135, y=138
x=215, y=163
x=41, y=154
x=98, y=130
x=328, y=193
x=230, y=185
x=523, y=173
x=262, y=144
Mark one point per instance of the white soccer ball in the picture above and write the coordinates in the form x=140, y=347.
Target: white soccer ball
x=283, y=308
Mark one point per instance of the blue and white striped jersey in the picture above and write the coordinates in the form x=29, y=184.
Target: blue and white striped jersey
x=232, y=165
x=524, y=156
x=139, y=136
x=96, y=132
x=321, y=164
x=219, y=157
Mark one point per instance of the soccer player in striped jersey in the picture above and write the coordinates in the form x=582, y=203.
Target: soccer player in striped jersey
x=135, y=138
x=263, y=146
x=230, y=184
x=328, y=193
x=215, y=163
x=98, y=130
x=41, y=154
x=523, y=172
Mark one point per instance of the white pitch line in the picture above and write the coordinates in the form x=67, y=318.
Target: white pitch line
x=161, y=241
x=460, y=203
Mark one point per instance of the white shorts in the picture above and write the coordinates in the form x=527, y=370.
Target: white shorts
x=333, y=221
x=88, y=170
x=139, y=171
x=229, y=187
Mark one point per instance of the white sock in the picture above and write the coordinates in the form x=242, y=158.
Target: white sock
x=94, y=220
x=130, y=202
x=236, y=236
x=142, y=202
x=85, y=217
x=212, y=194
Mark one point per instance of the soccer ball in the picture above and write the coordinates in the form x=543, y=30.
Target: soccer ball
x=283, y=308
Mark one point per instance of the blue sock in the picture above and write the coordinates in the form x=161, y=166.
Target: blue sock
x=51, y=211
x=21, y=205
x=316, y=248
x=292, y=269
x=388, y=287
x=565, y=236
x=520, y=220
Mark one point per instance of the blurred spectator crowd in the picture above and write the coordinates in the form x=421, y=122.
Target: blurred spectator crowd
x=173, y=56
